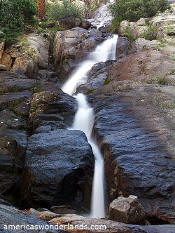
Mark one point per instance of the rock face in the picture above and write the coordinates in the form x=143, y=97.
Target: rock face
x=135, y=158
x=10, y=216
x=52, y=109
x=51, y=222
x=29, y=55
x=69, y=48
x=127, y=210
x=97, y=77
x=58, y=169
x=122, y=47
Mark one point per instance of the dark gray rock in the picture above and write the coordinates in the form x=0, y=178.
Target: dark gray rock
x=10, y=218
x=13, y=145
x=11, y=120
x=57, y=109
x=58, y=169
x=137, y=162
x=97, y=77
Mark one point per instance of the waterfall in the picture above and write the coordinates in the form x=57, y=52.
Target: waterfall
x=84, y=118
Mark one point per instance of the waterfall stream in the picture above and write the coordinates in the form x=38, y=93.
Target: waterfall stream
x=84, y=118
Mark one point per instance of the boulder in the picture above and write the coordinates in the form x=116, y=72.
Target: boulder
x=127, y=210
x=96, y=34
x=52, y=109
x=6, y=60
x=122, y=47
x=97, y=77
x=13, y=220
x=69, y=22
x=85, y=24
x=141, y=44
x=58, y=169
x=30, y=54
x=134, y=151
x=63, y=209
x=70, y=47
x=13, y=145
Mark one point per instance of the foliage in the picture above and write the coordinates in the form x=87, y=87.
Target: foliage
x=115, y=25
x=14, y=14
x=59, y=11
x=133, y=10
x=150, y=33
x=128, y=34
x=162, y=81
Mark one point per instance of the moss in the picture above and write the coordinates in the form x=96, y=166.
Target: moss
x=34, y=107
x=107, y=81
x=143, y=69
x=162, y=81
x=90, y=91
x=13, y=104
x=114, y=27
x=36, y=88
x=128, y=34
x=149, y=34
x=31, y=53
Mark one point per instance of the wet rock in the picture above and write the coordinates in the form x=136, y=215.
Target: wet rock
x=69, y=48
x=122, y=47
x=11, y=82
x=135, y=157
x=10, y=216
x=101, y=225
x=47, y=215
x=13, y=144
x=52, y=110
x=85, y=24
x=11, y=120
x=97, y=77
x=58, y=163
x=17, y=102
x=96, y=33
x=63, y=209
x=127, y=210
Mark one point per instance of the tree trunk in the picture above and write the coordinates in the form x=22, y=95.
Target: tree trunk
x=41, y=8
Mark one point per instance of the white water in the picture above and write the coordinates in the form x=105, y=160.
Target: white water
x=84, y=118
x=102, y=16
x=103, y=52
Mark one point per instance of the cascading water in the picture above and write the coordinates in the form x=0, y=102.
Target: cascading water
x=84, y=118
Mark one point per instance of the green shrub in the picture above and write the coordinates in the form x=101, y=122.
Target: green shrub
x=133, y=10
x=14, y=14
x=150, y=33
x=162, y=81
x=60, y=11
x=115, y=25
x=128, y=34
